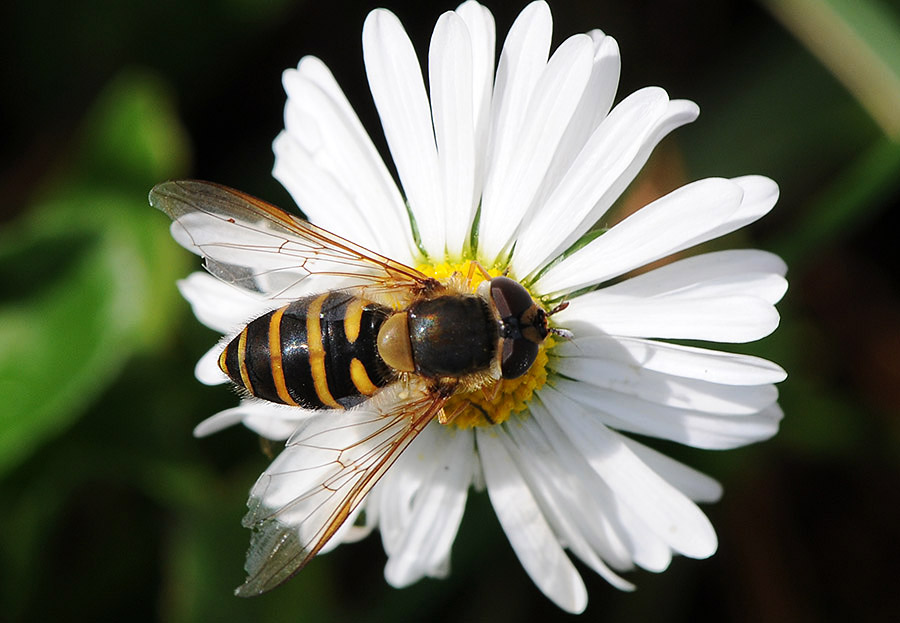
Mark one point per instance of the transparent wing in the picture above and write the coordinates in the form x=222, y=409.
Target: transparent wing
x=255, y=245
x=320, y=478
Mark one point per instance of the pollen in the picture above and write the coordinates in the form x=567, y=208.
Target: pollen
x=495, y=401
x=461, y=270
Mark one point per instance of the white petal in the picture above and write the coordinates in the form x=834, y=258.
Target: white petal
x=443, y=470
x=441, y=570
x=676, y=360
x=665, y=389
x=331, y=166
x=219, y=421
x=522, y=61
x=667, y=511
x=591, y=111
x=512, y=184
x=320, y=194
x=760, y=196
x=528, y=531
x=594, y=105
x=601, y=91
x=652, y=232
x=617, y=529
x=614, y=533
x=207, y=369
x=693, y=428
x=480, y=24
x=696, y=485
x=737, y=271
x=718, y=318
x=567, y=493
x=276, y=422
x=451, y=82
x=395, y=80
x=221, y=307
x=599, y=174
x=398, y=488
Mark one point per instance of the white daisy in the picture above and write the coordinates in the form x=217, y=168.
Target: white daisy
x=514, y=169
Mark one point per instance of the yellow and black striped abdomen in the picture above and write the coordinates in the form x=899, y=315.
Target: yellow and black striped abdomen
x=319, y=352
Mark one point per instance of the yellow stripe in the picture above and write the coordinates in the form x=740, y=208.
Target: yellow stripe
x=352, y=319
x=222, y=365
x=242, y=360
x=275, y=358
x=317, y=352
x=361, y=379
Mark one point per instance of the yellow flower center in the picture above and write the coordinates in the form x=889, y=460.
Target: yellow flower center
x=496, y=402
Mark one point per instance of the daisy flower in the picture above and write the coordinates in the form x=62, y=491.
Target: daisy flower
x=514, y=168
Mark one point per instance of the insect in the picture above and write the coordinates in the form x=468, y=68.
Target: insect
x=381, y=356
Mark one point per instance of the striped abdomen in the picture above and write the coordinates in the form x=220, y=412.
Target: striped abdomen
x=319, y=352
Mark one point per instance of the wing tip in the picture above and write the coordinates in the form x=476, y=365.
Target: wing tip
x=248, y=589
x=274, y=556
x=163, y=193
x=156, y=194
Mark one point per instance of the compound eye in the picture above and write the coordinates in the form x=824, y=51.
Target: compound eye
x=518, y=355
x=510, y=297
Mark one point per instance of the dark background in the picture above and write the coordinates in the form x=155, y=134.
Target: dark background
x=112, y=510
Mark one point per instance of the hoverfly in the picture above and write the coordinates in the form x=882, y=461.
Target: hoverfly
x=383, y=353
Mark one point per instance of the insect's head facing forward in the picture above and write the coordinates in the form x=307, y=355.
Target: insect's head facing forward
x=523, y=326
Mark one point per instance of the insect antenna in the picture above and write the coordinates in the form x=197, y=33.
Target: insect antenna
x=563, y=333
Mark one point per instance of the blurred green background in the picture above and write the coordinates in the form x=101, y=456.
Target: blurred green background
x=112, y=510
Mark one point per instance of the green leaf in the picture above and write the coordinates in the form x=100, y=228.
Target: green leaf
x=132, y=137
x=89, y=272
x=859, y=41
x=99, y=270
x=849, y=203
